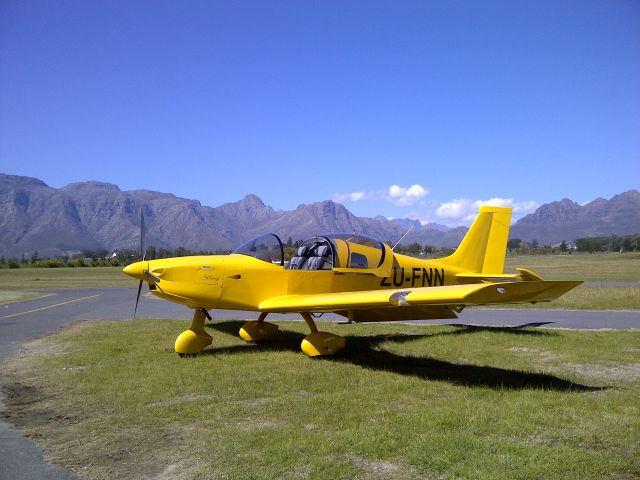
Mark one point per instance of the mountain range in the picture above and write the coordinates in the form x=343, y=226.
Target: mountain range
x=91, y=215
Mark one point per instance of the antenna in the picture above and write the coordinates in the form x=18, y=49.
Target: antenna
x=405, y=234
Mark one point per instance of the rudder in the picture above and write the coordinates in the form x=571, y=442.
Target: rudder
x=484, y=247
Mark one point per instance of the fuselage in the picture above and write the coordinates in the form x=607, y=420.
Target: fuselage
x=242, y=282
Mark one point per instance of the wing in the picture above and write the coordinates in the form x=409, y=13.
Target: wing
x=455, y=296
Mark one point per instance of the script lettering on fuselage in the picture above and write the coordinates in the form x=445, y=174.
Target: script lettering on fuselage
x=416, y=277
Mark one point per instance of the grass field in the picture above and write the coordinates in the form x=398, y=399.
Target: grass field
x=44, y=278
x=401, y=402
x=16, y=296
x=596, y=267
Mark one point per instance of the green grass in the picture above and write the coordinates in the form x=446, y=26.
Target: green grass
x=14, y=296
x=597, y=267
x=45, y=278
x=112, y=400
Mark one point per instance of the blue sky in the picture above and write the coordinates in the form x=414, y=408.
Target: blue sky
x=423, y=109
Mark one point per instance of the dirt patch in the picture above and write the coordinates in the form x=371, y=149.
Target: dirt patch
x=182, y=399
x=618, y=372
x=538, y=354
x=383, y=469
x=249, y=424
x=44, y=347
x=75, y=439
x=254, y=402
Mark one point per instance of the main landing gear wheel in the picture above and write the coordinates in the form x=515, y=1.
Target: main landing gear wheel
x=258, y=330
x=320, y=343
x=195, y=339
x=315, y=344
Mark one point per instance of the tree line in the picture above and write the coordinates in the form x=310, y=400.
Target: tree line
x=625, y=243
x=102, y=258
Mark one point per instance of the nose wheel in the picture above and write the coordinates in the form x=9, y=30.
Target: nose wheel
x=196, y=338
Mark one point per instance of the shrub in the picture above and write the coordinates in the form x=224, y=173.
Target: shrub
x=52, y=263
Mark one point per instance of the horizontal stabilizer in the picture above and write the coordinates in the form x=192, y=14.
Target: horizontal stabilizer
x=487, y=276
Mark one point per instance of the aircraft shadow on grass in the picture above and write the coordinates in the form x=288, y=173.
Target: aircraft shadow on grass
x=363, y=351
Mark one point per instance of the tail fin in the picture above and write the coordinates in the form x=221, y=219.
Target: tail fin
x=484, y=247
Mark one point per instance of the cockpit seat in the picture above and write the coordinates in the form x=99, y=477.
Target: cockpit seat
x=298, y=262
x=318, y=258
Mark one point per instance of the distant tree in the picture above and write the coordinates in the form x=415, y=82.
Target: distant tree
x=86, y=253
x=3, y=261
x=13, y=263
x=563, y=246
x=534, y=243
x=34, y=257
x=23, y=260
x=289, y=252
x=413, y=248
x=101, y=253
x=289, y=242
x=151, y=253
x=514, y=243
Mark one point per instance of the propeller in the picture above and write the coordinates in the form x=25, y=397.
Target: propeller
x=139, y=269
x=143, y=253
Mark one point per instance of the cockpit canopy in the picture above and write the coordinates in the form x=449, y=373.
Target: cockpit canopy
x=267, y=247
x=356, y=251
x=323, y=252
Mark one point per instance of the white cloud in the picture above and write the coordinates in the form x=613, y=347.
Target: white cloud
x=465, y=209
x=356, y=196
x=339, y=197
x=407, y=196
x=401, y=196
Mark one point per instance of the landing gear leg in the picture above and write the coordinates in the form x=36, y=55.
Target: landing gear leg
x=258, y=330
x=196, y=338
x=320, y=343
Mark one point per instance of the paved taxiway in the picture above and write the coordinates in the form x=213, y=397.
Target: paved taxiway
x=21, y=321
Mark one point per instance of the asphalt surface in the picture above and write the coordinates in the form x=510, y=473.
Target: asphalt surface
x=20, y=458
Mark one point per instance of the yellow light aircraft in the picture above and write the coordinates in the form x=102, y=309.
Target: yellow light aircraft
x=352, y=275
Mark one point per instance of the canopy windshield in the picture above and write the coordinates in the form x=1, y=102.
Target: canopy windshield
x=267, y=247
x=356, y=251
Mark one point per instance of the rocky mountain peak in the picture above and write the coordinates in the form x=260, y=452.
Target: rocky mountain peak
x=15, y=181
x=91, y=186
x=251, y=201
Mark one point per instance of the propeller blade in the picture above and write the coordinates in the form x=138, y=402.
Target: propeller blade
x=143, y=251
x=151, y=276
x=137, y=299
